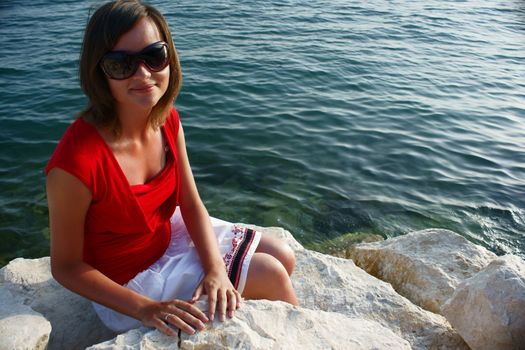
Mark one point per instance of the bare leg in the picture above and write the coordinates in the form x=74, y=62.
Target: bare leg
x=268, y=279
x=269, y=272
x=278, y=249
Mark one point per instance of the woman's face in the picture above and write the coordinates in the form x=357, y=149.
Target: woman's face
x=144, y=89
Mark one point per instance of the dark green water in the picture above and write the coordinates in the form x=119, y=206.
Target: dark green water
x=323, y=117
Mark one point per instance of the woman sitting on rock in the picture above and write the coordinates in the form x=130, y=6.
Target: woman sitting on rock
x=128, y=228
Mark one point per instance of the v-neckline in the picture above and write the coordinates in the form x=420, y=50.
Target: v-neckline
x=123, y=177
x=117, y=164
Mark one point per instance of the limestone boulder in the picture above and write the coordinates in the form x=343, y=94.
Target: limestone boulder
x=337, y=285
x=30, y=284
x=20, y=327
x=488, y=310
x=341, y=306
x=424, y=266
x=270, y=325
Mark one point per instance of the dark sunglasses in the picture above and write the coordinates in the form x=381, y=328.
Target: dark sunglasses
x=120, y=65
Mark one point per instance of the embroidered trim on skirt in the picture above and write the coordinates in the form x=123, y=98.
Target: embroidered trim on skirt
x=178, y=272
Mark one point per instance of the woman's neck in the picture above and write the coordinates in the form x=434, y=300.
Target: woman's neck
x=134, y=122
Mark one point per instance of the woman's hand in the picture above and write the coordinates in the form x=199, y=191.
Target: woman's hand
x=222, y=296
x=179, y=313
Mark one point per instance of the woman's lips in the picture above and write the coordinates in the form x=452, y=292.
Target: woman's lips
x=143, y=88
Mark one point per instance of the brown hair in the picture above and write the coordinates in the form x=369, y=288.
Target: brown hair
x=109, y=22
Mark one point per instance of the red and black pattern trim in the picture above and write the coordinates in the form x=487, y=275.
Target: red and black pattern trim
x=241, y=243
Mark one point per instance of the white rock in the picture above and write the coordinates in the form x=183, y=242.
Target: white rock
x=74, y=322
x=278, y=325
x=333, y=284
x=327, y=283
x=141, y=338
x=488, y=310
x=265, y=325
x=20, y=327
x=424, y=266
x=334, y=291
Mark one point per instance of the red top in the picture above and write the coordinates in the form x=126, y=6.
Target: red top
x=127, y=228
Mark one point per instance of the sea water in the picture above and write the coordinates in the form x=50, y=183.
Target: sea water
x=322, y=117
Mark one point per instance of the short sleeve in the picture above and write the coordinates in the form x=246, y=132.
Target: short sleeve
x=74, y=155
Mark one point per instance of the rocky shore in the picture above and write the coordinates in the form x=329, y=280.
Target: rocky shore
x=429, y=289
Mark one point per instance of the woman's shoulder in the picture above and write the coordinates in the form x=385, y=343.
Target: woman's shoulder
x=173, y=121
x=171, y=127
x=80, y=143
x=79, y=134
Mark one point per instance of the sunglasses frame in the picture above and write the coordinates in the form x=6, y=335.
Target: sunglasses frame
x=134, y=59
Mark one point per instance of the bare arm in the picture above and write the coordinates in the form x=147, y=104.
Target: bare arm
x=68, y=202
x=216, y=282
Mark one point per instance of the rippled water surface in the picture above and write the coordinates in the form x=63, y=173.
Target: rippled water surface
x=323, y=117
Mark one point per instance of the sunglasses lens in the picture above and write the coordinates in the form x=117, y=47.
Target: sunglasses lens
x=118, y=65
x=156, y=57
x=121, y=65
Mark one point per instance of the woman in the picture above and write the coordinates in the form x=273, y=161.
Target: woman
x=128, y=228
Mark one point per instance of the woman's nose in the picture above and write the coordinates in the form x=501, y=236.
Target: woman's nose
x=142, y=70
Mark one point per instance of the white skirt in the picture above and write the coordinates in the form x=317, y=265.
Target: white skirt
x=178, y=272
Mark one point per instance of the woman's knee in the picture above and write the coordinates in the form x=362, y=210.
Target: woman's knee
x=288, y=259
x=266, y=267
x=268, y=279
x=278, y=249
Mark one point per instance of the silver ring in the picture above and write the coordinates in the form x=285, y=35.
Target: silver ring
x=167, y=316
